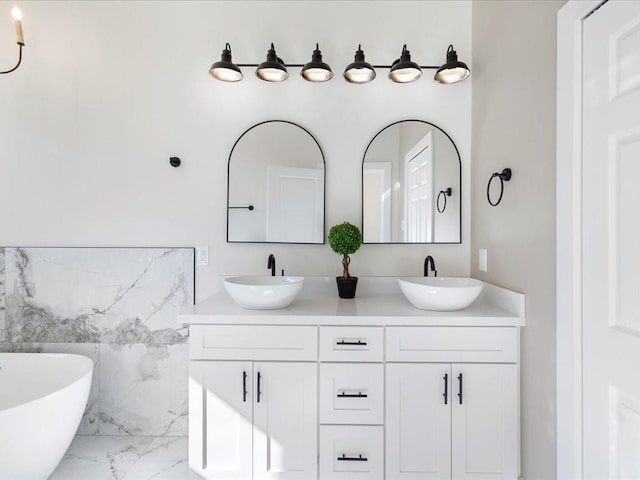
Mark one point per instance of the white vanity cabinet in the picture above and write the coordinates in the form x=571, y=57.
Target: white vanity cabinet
x=250, y=418
x=363, y=389
x=452, y=420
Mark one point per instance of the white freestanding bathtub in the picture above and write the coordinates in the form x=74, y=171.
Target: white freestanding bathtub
x=42, y=399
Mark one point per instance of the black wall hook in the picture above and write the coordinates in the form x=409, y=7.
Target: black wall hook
x=504, y=176
x=174, y=161
x=444, y=194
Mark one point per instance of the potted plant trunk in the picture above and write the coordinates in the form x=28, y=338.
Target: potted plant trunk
x=345, y=239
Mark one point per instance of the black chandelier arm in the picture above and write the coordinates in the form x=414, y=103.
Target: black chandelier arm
x=19, y=61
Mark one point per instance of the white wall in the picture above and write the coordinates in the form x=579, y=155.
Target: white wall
x=109, y=90
x=514, y=51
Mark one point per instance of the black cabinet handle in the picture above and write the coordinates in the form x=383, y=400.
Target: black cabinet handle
x=446, y=388
x=244, y=386
x=460, y=388
x=259, y=392
x=352, y=395
x=344, y=342
x=359, y=458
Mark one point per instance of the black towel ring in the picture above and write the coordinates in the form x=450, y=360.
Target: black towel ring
x=444, y=194
x=504, y=176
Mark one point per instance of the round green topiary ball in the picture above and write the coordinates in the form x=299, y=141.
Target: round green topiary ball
x=345, y=238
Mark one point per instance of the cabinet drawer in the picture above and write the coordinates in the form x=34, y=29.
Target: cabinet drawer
x=351, y=344
x=351, y=393
x=351, y=452
x=255, y=342
x=452, y=344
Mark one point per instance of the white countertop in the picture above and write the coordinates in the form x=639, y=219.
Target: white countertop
x=378, y=301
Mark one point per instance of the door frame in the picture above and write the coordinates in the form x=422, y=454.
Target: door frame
x=569, y=237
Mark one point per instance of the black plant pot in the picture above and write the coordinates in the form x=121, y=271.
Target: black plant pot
x=347, y=286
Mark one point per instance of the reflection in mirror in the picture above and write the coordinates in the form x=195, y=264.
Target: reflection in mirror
x=411, y=179
x=276, y=186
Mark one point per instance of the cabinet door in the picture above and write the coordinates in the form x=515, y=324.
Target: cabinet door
x=485, y=421
x=418, y=442
x=220, y=419
x=285, y=421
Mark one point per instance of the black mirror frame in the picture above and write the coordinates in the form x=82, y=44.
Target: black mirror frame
x=250, y=207
x=362, y=185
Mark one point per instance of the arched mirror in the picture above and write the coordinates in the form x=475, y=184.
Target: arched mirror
x=276, y=185
x=411, y=185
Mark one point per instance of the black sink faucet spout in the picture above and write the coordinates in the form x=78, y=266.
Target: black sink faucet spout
x=429, y=263
x=271, y=263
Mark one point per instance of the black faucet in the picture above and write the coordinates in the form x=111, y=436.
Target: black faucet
x=428, y=262
x=271, y=263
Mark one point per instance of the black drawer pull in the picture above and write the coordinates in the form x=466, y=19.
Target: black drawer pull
x=446, y=388
x=358, y=343
x=244, y=386
x=460, y=388
x=259, y=390
x=359, y=458
x=352, y=395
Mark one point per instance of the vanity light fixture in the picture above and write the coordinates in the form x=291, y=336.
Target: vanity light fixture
x=403, y=70
x=316, y=70
x=452, y=71
x=225, y=69
x=359, y=71
x=17, y=18
x=272, y=69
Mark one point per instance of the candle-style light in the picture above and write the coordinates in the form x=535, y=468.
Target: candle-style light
x=17, y=18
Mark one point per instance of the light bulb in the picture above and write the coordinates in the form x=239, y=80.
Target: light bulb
x=17, y=14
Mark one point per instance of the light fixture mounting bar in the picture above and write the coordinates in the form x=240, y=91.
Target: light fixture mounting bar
x=294, y=65
x=427, y=67
x=300, y=65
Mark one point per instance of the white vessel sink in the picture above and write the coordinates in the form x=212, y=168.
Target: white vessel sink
x=263, y=293
x=441, y=294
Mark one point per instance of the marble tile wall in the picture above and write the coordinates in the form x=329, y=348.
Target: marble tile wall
x=2, y=310
x=117, y=306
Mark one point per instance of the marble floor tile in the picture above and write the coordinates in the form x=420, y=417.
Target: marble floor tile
x=125, y=458
x=143, y=390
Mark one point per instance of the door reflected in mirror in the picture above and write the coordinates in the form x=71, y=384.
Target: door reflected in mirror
x=411, y=179
x=276, y=185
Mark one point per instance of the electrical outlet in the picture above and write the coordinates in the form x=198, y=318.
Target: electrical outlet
x=482, y=259
x=202, y=256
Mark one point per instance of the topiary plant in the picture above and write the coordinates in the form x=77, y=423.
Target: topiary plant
x=345, y=239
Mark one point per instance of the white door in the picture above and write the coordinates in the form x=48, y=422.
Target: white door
x=611, y=242
x=220, y=419
x=419, y=191
x=285, y=421
x=376, y=202
x=295, y=205
x=418, y=422
x=484, y=423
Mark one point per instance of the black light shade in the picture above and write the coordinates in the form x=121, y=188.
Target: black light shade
x=316, y=70
x=273, y=69
x=403, y=69
x=453, y=71
x=225, y=69
x=359, y=71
